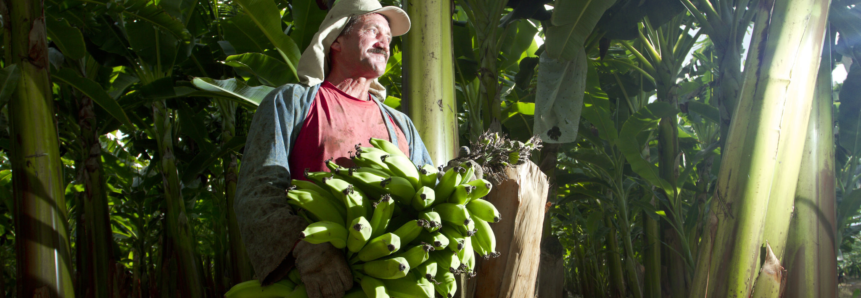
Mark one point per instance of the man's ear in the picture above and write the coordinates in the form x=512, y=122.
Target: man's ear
x=336, y=45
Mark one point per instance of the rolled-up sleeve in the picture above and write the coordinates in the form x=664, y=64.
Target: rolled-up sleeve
x=268, y=225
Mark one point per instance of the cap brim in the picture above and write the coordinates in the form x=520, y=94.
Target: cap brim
x=399, y=21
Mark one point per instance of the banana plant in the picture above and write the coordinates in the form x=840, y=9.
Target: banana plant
x=752, y=201
x=726, y=24
x=665, y=48
x=37, y=181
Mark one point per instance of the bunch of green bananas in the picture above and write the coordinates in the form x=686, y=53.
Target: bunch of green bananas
x=404, y=231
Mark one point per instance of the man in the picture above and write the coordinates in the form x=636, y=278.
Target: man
x=298, y=126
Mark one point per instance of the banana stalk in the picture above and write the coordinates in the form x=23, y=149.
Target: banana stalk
x=239, y=264
x=42, y=243
x=762, y=156
x=810, y=249
x=97, y=228
x=428, y=79
x=178, y=224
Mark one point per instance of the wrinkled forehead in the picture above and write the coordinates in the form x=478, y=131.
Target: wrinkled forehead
x=360, y=21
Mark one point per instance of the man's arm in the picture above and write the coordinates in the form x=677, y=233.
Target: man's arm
x=268, y=224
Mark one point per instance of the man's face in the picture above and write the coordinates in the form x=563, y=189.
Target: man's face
x=365, y=50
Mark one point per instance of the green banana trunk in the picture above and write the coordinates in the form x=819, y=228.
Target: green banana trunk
x=652, y=257
x=810, y=249
x=758, y=160
x=630, y=266
x=240, y=266
x=97, y=228
x=42, y=245
x=178, y=224
x=429, y=77
x=613, y=254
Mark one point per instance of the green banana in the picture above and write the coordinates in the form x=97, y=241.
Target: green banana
x=366, y=181
x=371, y=157
x=253, y=288
x=466, y=230
x=484, y=210
x=447, y=261
x=400, y=188
x=356, y=292
x=308, y=185
x=386, y=146
x=469, y=174
x=402, y=166
x=293, y=276
x=374, y=171
x=434, y=222
x=316, y=204
x=373, y=288
x=323, y=194
x=409, y=287
x=446, y=284
x=318, y=177
x=461, y=194
x=334, y=167
x=325, y=231
x=416, y=255
x=427, y=175
x=423, y=199
x=447, y=183
x=453, y=214
x=409, y=231
x=388, y=268
x=298, y=292
x=468, y=262
x=482, y=188
x=465, y=254
x=428, y=269
x=355, y=200
x=359, y=234
x=382, y=215
x=455, y=238
x=379, y=247
x=484, y=240
x=437, y=239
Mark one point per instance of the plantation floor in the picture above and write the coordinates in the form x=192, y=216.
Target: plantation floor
x=846, y=289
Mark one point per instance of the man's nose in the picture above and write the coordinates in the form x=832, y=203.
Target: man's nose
x=382, y=43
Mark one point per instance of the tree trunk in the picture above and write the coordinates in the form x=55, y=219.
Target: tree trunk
x=42, y=244
x=520, y=195
x=614, y=260
x=810, y=252
x=178, y=225
x=240, y=266
x=551, y=274
x=428, y=79
x=97, y=225
x=763, y=153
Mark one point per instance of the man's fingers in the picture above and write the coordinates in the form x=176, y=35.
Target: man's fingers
x=333, y=289
x=346, y=278
x=313, y=290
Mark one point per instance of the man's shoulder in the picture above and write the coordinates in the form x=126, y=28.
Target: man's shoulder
x=395, y=112
x=293, y=94
x=291, y=89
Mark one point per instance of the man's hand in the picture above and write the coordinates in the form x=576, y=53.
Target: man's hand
x=323, y=269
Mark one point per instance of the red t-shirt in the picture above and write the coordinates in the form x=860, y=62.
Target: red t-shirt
x=335, y=123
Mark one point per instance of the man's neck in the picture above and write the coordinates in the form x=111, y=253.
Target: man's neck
x=356, y=87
